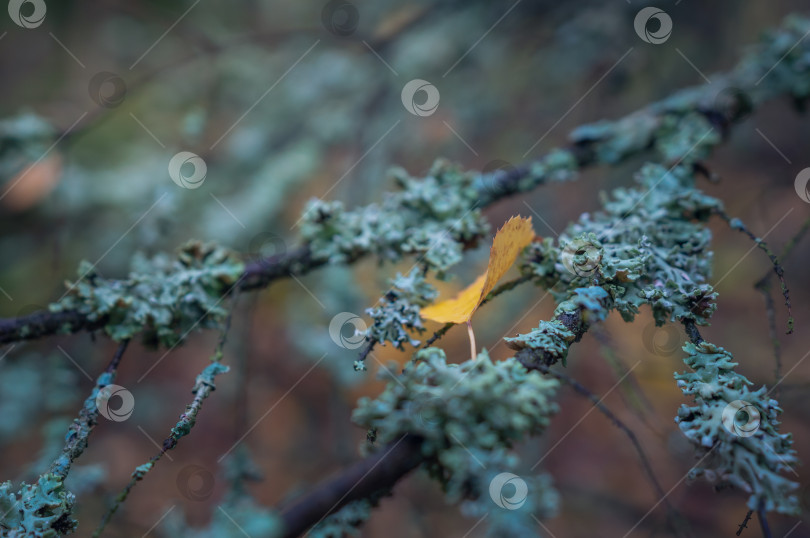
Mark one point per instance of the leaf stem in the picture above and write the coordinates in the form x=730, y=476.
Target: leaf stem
x=472, y=339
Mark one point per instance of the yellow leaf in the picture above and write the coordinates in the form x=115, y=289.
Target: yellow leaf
x=510, y=240
x=460, y=309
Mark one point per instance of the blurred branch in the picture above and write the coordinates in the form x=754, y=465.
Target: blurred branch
x=378, y=472
x=208, y=48
x=79, y=431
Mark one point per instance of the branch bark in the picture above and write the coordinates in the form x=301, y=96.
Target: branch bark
x=379, y=472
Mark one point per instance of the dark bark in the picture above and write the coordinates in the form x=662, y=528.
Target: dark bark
x=376, y=473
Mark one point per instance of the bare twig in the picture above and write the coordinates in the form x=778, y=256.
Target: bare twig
x=744, y=524
x=763, y=520
x=675, y=518
x=736, y=224
x=764, y=286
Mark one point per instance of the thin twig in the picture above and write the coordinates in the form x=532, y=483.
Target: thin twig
x=203, y=387
x=79, y=431
x=744, y=524
x=764, y=286
x=675, y=518
x=763, y=520
x=736, y=224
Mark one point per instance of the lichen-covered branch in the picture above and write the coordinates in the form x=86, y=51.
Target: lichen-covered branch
x=79, y=432
x=46, y=508
x=734, y=429
x=437, y=216
x=203, y=386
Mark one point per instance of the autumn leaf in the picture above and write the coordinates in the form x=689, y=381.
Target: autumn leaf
x=510, y=240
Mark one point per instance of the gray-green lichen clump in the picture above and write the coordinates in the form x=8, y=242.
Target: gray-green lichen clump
x=203, y=386
x=665, y=266
x=734, y=430
x=676, y=126
x=468, y=416
x=41, y=510
x=435, y=217
x=397, y=312
x=163, y=299
x=613, y=259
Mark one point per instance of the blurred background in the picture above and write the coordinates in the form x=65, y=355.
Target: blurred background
x=284, y=101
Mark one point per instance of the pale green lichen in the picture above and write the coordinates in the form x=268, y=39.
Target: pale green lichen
x=203, y=386
x=397, y=312
x=551, y=338
x=162, y=299
x=665, y=266
x=433, y=217
x=590, y=304
x=557, y=165
x=75, y=441
x=749, y=457
x=468, y=415
x=684, y=126
x=41, y=510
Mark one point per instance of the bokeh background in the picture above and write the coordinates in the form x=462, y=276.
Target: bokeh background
x=285, y=101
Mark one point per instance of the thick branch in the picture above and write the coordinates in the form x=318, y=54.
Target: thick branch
x=376, y=473
x=608, y=146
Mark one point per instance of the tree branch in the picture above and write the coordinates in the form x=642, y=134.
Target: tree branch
x=378, y=472
x=604, y=143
